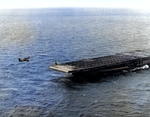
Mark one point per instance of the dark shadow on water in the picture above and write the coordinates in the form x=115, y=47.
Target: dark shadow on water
x=75, y=83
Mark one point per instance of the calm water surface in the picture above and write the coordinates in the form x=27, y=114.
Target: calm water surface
x=48, y=35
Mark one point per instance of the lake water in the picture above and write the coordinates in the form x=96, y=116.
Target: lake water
x=67, y=34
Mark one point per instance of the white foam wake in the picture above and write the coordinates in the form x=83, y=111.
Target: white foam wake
x=140, y=68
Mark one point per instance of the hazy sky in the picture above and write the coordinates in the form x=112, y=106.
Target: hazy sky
x=139, y=4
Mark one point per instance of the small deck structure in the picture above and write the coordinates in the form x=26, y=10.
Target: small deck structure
x=111, y=63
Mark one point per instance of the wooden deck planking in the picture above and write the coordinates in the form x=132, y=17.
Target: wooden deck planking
x=99, y=62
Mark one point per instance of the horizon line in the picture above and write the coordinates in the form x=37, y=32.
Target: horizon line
x=13, y=8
